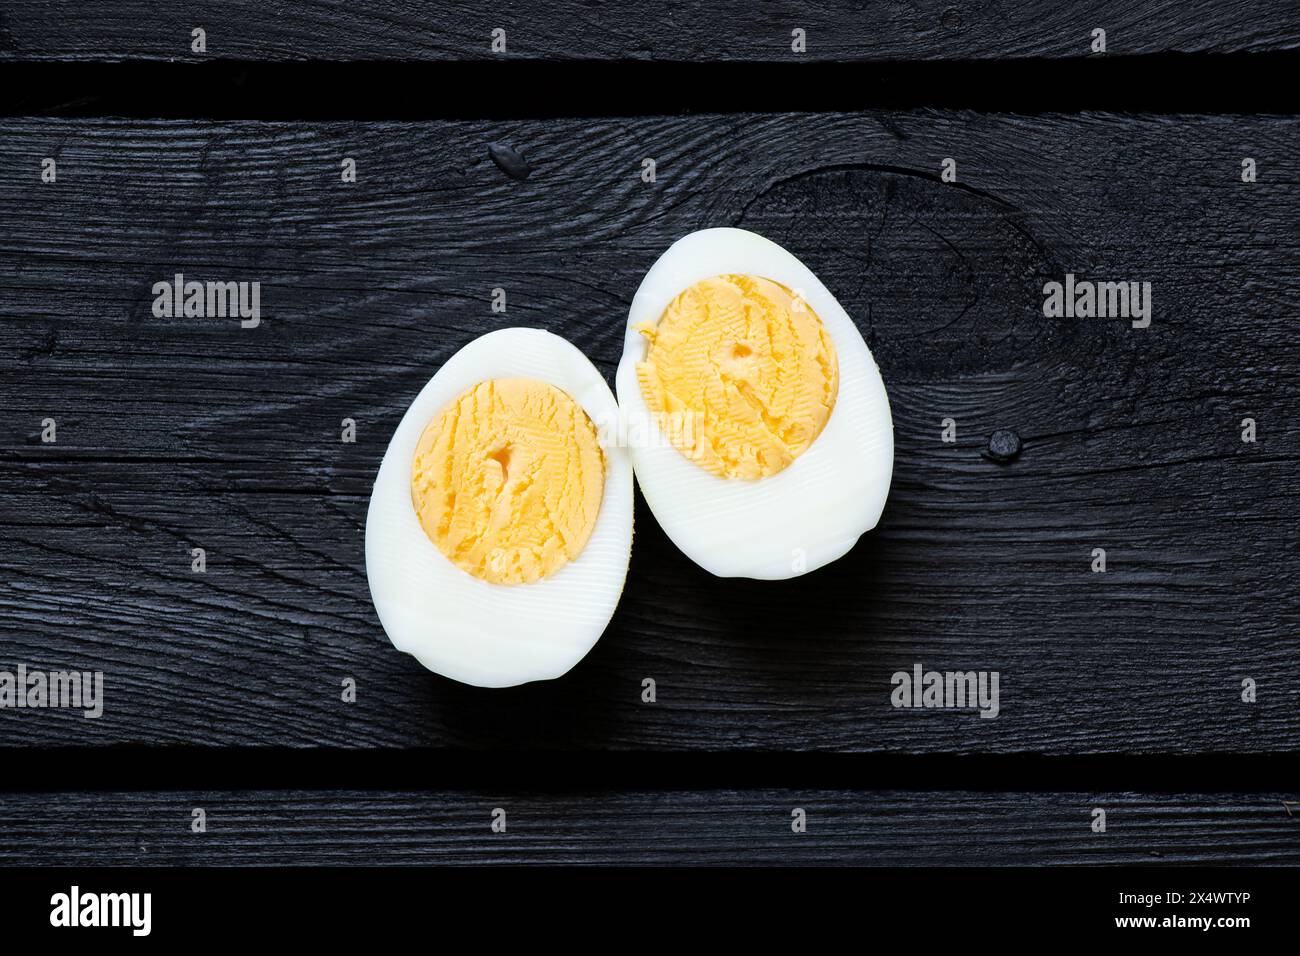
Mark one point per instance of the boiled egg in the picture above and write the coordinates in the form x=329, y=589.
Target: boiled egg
x=500, y=524
x=757, y=421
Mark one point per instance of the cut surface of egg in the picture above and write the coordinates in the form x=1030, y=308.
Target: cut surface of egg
x=757, y=421
x=500, y=524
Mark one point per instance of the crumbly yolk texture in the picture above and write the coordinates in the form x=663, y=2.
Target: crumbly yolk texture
x=740, y=374
x=507, y=480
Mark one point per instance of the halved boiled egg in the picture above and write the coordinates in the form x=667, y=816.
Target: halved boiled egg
x=500, y=524
x=760, y=429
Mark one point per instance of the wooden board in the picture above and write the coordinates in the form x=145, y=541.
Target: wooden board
x=183, y=433
x=884, y=828
x=713, y=30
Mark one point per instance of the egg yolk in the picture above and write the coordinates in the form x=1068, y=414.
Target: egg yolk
x=740, y=374
x=508, y=479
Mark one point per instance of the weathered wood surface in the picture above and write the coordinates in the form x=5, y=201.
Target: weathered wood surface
x=890, y=828
x=733, y=30
x=184, y=433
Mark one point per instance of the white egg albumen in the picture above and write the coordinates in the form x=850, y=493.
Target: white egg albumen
x=811, y=512
x=455, y=624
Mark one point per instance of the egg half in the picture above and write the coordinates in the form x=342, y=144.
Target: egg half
x=756, y=417
x=500, y=523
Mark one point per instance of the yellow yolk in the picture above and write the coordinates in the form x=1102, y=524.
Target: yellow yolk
x=507, y=480
x=740, y=375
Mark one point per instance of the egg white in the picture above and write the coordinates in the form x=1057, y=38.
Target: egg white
x=806, y=515
x=470, y=630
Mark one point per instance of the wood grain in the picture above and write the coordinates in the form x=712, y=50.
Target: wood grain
x=184, y=433
x=890, y=828
x=622, y=29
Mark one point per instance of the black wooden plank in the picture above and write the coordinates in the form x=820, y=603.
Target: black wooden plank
x=536, y=89
x=183, y=433
x=623, y=29
x=292, y=828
